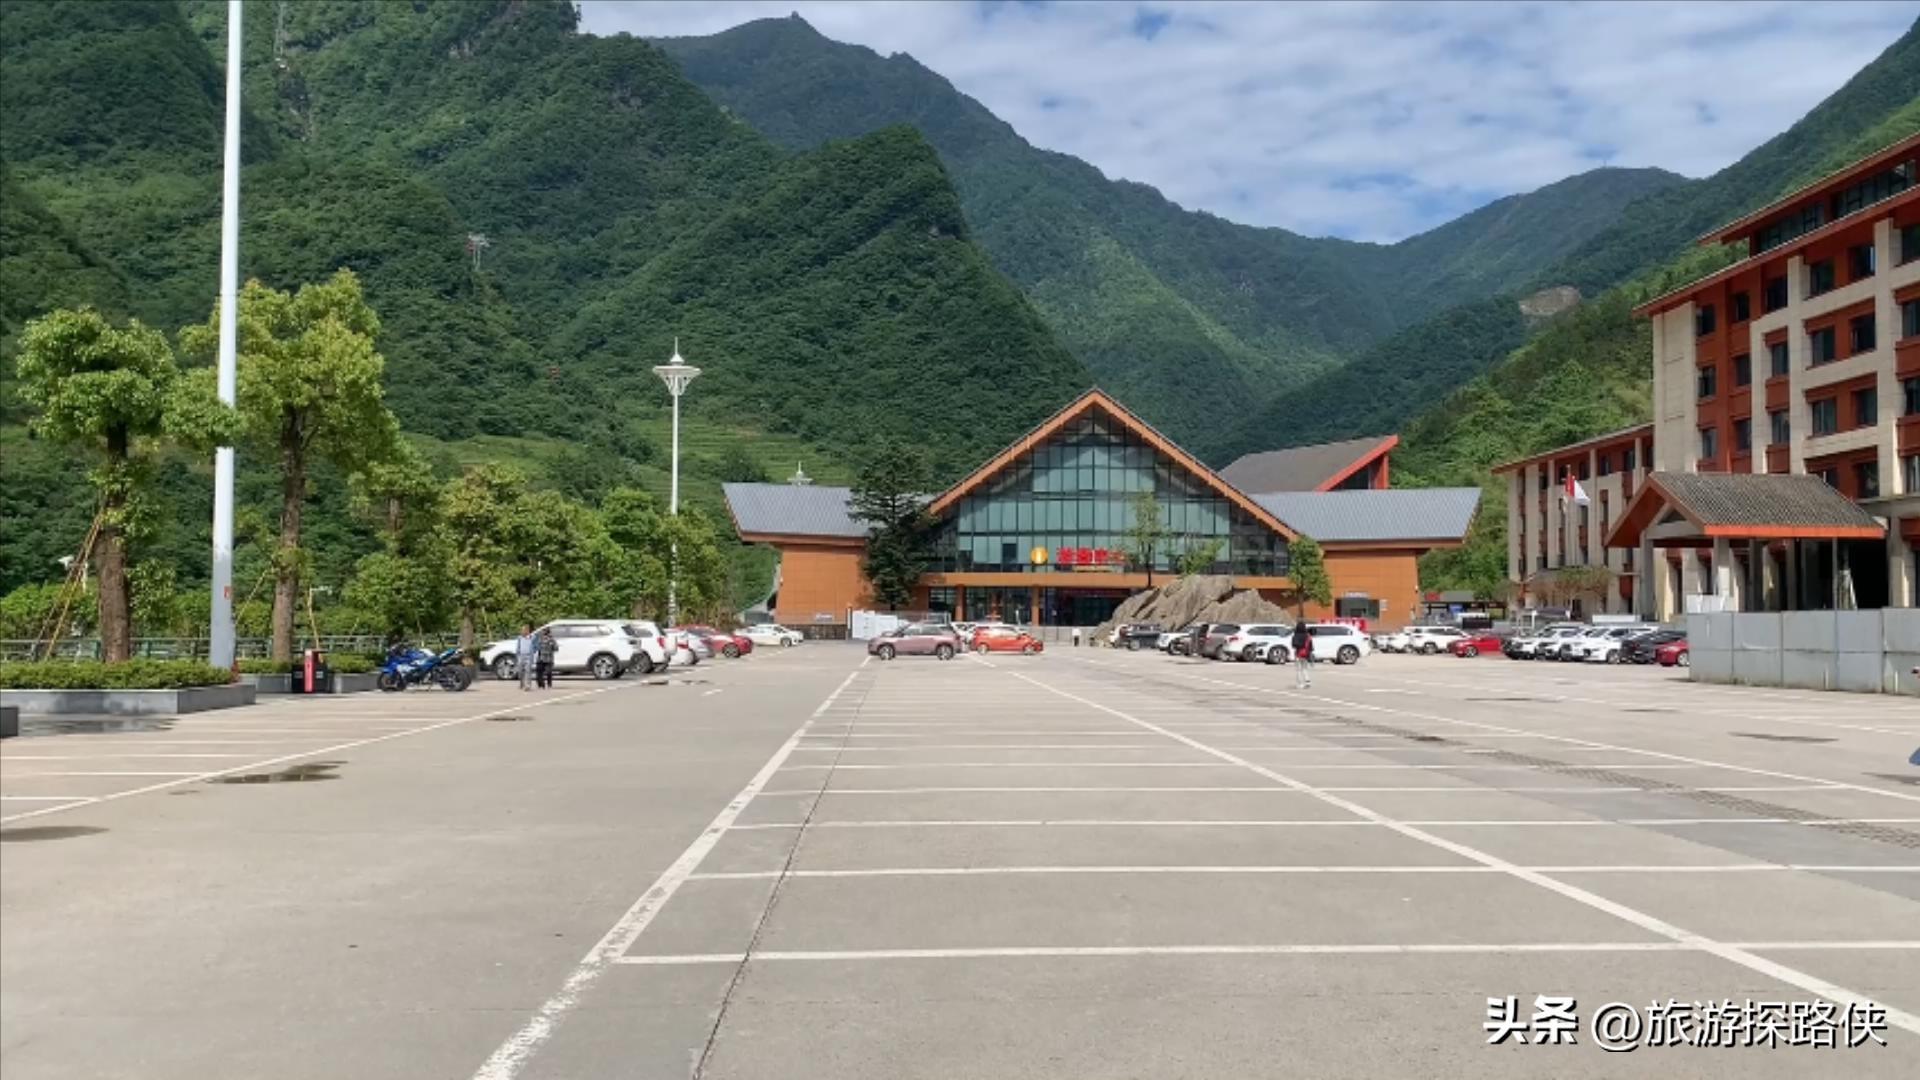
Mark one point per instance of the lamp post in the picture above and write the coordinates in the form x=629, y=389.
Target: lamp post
x=220, y=620
x=676, y=373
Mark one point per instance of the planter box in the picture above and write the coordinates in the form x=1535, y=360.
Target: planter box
x=281, y=683
x=128, y=702
x=9, y=721
x=358, y=683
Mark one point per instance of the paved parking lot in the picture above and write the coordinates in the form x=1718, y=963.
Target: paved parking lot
x=1083, y=864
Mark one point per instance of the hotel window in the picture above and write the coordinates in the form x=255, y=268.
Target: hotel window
x=1742, y=307
x=1743, y=436
x=1831, y=477
x=1820, y=277
x=1910, y=389
x=1866, y=480
x=1861, y=330
x=1798, y=223
x=1910, y=473
x=1782, y=427
x=1860, y=262
x=1775, y=296
x=1910, y=317
x=1626, y=460
x=1743, y=370
x=1606, y=464
x=1703, y=321
x=1910, y=242
x=1709, y=443
x=1866, y=407
x=1709, y=379
x=1823, y=346
x=1826, y=415
x=1777, y=359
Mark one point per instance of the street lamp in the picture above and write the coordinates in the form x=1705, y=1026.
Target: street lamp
x=676, y=373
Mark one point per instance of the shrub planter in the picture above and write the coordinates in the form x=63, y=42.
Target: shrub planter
x=128, y=702
x=9, y=721
x=358, y=683
x=280, y=683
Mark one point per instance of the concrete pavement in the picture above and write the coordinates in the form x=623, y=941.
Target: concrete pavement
x=1084, y=864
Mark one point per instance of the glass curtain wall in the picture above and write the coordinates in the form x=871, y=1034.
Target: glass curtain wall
x=1069, y=502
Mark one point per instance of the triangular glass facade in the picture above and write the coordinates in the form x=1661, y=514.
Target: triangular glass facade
x=1067, y=503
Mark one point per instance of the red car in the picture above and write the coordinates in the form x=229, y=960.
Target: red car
x=1005, y=639
x=1477, y=645
x=1672, y=654
x=731, y=646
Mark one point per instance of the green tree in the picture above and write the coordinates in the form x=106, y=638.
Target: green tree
x=1309, y=573
x=1146, y=534
x=310, y=390
x=474, y=525
x=889, y=494
x=103, y=389
x=1198, y=556
x=737, y=466
x=636, y=525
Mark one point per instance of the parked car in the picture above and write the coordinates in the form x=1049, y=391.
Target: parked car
x=1476, y=644
x=672, y=649
x=1640, y=650
x=916, y=639
x=1527, y=646
x=1135, y=636
x=1252, y=642
x=1673, y=654
x=731, y=646
x=772, y=634
x=1216, y=635
x=1166, y=640
x=689, y=645
x=1339, y=642
x=1432, y=640
x=988, y=639
x=602, y=648
x=1605, y=645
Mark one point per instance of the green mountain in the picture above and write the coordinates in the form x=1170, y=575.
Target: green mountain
x=1422, y=366
x=1186, y=316
x=824, y=293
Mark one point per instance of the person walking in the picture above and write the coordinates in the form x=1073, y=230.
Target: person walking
x=1302, y=644
x=543, y=651
x=525, y=649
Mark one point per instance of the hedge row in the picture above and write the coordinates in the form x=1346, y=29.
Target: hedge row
x=341, y=663
x=94, y=675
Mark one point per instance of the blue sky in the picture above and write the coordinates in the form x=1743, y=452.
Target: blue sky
x=1369, y=120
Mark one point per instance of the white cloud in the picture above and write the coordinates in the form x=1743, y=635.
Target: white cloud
x=1370, y=120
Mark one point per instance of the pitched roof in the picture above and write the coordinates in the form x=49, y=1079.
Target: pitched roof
x=1636, y=431
x=1753, y=506
x=1884, y=156
x=1098, y=399
x=1409, y=514
x=1305, y=468
x=792, y=510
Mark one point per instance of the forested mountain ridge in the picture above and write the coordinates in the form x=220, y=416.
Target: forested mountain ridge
x=1185, y=315
x=381, y=136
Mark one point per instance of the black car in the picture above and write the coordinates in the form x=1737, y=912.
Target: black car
x=1639, y=650
x=1137, y=636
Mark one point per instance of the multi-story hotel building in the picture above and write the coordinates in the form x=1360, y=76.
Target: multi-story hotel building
x=1802, y=359
x=1546, y=531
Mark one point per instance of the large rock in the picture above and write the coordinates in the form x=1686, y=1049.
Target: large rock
x=1188, y=600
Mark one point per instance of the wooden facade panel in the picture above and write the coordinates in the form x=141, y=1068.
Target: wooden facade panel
x=817, y=581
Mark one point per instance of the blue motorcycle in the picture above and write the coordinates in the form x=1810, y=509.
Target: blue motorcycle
x=410, y=666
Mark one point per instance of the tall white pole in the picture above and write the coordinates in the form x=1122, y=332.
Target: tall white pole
x=673, y=510
x=220, y=647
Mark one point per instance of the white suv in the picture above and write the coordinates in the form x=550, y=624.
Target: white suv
x=1252, y=642
x=771, y=634
x=1432, y=640
x=1339, y=642
x=1603, y=644
x=604, y=648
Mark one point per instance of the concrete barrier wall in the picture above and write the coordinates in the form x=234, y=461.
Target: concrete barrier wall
x=1859, y=651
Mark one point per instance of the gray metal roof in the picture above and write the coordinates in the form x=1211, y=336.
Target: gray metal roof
x=1299, y=468
x=792, y=510
x=1402, y=514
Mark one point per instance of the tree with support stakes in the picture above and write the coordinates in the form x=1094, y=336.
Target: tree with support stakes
x=890, y=496
x=1309, y=573
x=106, y=389
x=310, y=388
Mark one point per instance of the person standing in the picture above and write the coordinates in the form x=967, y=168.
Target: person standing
x=525, y=649
x=1302, y=645
x=543, y=659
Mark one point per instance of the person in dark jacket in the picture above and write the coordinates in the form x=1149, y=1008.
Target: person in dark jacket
x=543, y=651
x=1302, y=644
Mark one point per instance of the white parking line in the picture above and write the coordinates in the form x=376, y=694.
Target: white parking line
x=43, y=798
x=1651, y=924
x=188, y=778
x=996, y=871
x=1099, y=951
x=512, y=1055
x=1281, y=823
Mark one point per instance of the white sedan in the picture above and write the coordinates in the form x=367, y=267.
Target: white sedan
x=772, y=634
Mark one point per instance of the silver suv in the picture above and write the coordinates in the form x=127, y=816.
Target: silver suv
x=604, y=648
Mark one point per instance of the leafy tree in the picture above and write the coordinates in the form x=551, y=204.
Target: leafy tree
x=737, y=466
x=474, y=527
x=102, y=388
x=1309, y=573
x=890, y=496
x=638, y=527
x=310, y=390
x=1146, y=533
x=1198, y=556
